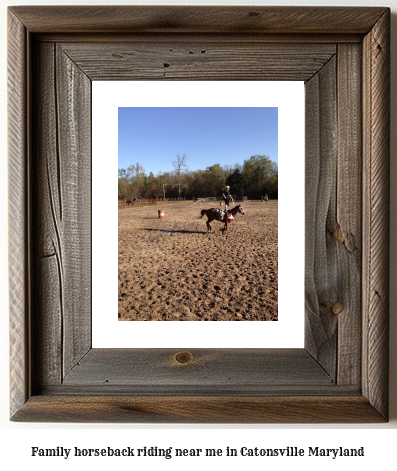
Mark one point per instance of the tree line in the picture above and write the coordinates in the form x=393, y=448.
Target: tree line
x=256, y=177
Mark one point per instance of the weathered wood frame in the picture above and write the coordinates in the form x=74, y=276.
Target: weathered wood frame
x=342, y=54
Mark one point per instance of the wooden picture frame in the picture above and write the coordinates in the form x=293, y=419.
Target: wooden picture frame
x=342, y=54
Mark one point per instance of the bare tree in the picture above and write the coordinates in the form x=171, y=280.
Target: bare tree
x=180, y=166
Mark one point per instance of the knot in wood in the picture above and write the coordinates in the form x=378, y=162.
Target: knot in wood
x=183, y=358
x=338, y=235
x=337, y=308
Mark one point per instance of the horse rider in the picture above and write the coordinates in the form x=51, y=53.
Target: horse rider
x=227, y=197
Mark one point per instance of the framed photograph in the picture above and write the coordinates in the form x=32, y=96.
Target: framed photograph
x=340, y=375
x=179, y=270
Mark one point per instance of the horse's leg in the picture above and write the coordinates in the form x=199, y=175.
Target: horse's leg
x=208, y=223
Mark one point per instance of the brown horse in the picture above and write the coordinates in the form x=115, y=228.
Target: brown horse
x=214, y=214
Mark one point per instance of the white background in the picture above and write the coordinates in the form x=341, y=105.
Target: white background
x=16, y=439
x=288, y=332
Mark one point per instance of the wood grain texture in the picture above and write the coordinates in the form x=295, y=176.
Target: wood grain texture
x=199, y=409
x=322, y=285
x=62, y=205
x=376, y=92
x=48, y=281
x=202, y=60
x=193, y=19
x=229, y=370
x=341, y=376
x=73, y=89
x=19, y=257
x=347, y=225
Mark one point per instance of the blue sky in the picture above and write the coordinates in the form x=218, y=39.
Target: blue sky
x=154, y=136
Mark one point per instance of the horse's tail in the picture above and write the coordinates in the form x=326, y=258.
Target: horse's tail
x=203, y=211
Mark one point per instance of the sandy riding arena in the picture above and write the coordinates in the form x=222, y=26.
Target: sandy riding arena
x=171, y=269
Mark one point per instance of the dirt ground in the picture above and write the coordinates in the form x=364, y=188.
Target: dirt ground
x=171, y=269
